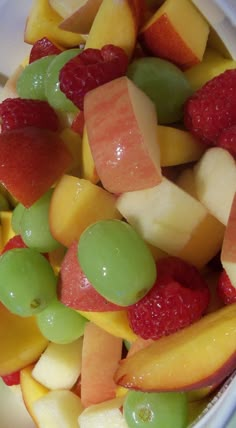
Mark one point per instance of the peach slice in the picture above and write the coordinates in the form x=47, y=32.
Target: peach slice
x=116, y=22
x=80, y=203
x=171, y=33
x=43, y=21
x=23, y=342
x=197, y=356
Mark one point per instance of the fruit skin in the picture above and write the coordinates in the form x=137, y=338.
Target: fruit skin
x=178, y=298
x=90, y=69
x=32, y=160
x=165, y=364
x=101, y=353
x=12, y=378
x=170, y=33
x=226, y=290
x=206, y=112
x=121, y=125
x=74, y=288
x=43, y=47
x=18, y=113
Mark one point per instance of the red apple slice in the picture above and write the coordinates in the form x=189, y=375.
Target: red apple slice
x=121, y=125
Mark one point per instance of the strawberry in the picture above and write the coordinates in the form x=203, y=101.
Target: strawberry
x=227, y=140
x=18, y=113
x=43, y=47
x=212, y=108
x=90, y=69
x=226, y=290
x=179, y=297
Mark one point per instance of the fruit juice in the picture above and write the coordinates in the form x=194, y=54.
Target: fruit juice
x=117, y=206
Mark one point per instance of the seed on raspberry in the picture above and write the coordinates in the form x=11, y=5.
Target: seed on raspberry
x=90, y=69
x=226, y=290
x=179, y=297
x=227, y=140
x=212, y=108
x=18, y=113
x=42, y=48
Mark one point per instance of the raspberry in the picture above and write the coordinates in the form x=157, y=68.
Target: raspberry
x=12, y=379
x=227, y=140
x=226, y=290
x=178, y=298
x=43, y=47
x=212, y=108
x=18, y=113
x=90, y=69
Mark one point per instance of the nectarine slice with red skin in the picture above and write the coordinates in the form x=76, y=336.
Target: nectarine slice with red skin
x=32, y=160
x=198, y=356
x=74, y=288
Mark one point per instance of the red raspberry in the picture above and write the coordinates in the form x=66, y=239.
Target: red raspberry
x=179, y=297
x=212, y=108
x=227, y=140
x=18, y=113
x=43, y=47
x=90, y=69
x=226, y=290
x=12, y=379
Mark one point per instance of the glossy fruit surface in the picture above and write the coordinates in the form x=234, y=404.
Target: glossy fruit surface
x=164, y=83
x=152, y=410
x=116, y=261
x=60, y=324
x=28, y=281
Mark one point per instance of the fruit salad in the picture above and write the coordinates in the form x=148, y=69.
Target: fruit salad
x=117, y=215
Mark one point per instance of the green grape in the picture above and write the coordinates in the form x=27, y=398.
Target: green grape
x=35, y=230
x=116, y=261
x=56, y=98
x=31, y=83
x=60, y=324
x=16, y=219
x=28, y=283
x=4, y=204
x=164, y=83
x=153, y=409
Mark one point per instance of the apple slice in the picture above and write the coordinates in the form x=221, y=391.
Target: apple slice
x=228, y=253
x=57, y=409
x=171, y=31
x=13, y=356
x=103, y=415
x=121, y=125
x=100, y=356
x=59, y=366
x=200, y=355
x=215, y=174
x=32, y=160
x=80, y=203
x=80, y=20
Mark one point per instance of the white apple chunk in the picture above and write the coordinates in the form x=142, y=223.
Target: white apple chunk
x=164, y=215
x=215, y=178
x=121, y=124
x=57, y=409
x=103, y=415
x=228, y=253
x=59, y=366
